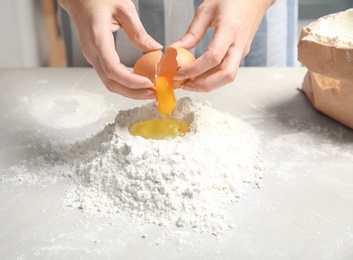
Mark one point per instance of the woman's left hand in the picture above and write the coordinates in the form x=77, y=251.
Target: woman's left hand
x=235, y=23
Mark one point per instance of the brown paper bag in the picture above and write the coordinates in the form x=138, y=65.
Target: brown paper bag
x=331, y=61
x=330, y=96
x=329, y=81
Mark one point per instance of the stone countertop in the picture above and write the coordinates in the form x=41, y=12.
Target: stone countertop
x=304, y=210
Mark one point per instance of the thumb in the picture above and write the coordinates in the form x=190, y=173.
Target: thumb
x=195, y=32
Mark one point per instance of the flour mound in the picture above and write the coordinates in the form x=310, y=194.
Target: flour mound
x=187, y=181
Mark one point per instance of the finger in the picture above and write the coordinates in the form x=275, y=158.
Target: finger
x=116, y=87
x=196, y=30
x=213, y=56
x=110, y=63
x=219, y=75
x=134, y=29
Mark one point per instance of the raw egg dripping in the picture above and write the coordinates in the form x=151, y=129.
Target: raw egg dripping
x=166, y=100
x=160, y=69
x=165, y=127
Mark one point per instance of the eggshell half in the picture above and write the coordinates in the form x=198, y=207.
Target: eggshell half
x=146, y=65
x=156, y=63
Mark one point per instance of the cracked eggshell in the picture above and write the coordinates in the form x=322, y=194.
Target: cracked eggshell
x=156, y=63
x=146, y=65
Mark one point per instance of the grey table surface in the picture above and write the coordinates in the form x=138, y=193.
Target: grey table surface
x=303, y=211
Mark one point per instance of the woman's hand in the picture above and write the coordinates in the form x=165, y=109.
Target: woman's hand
x=95, y=21
x=235, y=23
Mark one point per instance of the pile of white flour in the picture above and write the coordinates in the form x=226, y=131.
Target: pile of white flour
x=187, y=181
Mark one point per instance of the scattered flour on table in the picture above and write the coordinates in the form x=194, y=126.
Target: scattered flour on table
x=62, y=111
x=187, y=181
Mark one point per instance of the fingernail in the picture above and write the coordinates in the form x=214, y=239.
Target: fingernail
x=180, y=76
x=154, y=45
x=177, y=84
x=151, y=95
x=147, y=85
x=188, y=87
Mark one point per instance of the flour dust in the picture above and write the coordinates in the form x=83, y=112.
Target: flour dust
x=64, y=112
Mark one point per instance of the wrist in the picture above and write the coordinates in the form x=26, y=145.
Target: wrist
x=266, y=4
x=269, y=3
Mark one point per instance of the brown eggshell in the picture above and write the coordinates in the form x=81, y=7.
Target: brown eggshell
x=183, y=57
x=146, y=65
x=154, y=64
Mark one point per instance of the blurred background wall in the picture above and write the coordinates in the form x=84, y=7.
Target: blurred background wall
x=29, y=35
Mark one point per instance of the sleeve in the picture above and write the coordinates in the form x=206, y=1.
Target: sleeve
x=275, y=42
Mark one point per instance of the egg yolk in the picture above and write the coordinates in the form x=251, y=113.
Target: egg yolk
x=165, y=95
x=166, y=126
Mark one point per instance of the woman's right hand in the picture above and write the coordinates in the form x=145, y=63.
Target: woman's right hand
x=96, y=21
